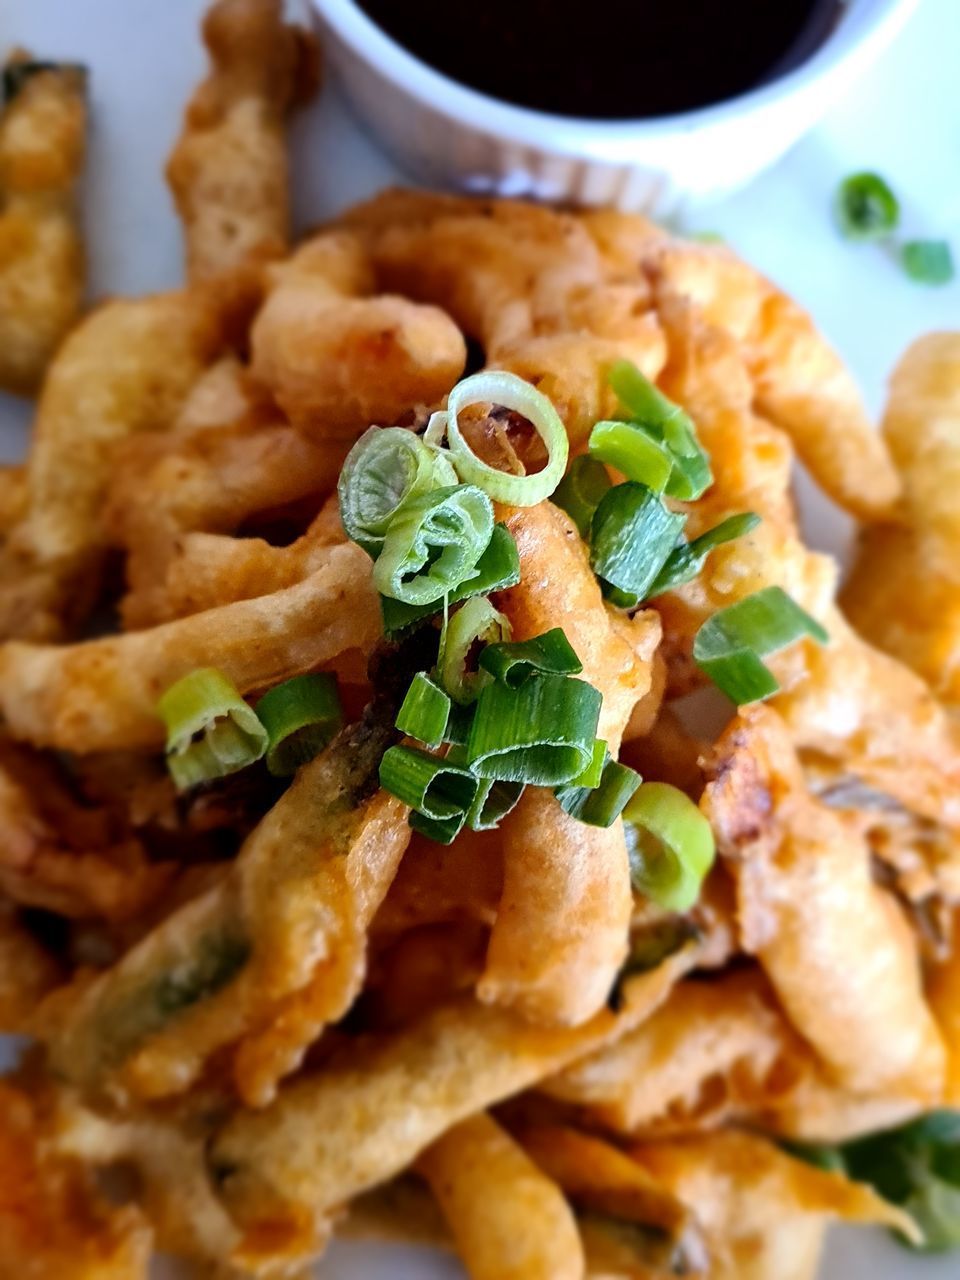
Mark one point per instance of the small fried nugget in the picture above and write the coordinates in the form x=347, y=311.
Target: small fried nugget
x=228, y=171
x=836, y=948
x=42, y=144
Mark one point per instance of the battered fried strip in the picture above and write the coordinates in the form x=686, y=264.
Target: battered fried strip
x=561, y=930
x=836, y=948
x=101, y=695
x=27, y=972
x=903, y=589
x=264, y=959
x=42, y=143
x=336, y=360
x=13, y=496
x=126, y=369
x=943, y=993
x=228, y=171
x=364, y=1117
x=509, y=1220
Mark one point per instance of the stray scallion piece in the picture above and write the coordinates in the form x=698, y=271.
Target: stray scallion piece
x=685, y=561
x=493, y=801
x=666, y=423
x=601, y=805
x=866, y=208
x=433, y=544
x=670, y=844
x=729, y=646
x=511, y=392
x=300, y=716
x=514, y=664
x=629, y=448
x=497, y=568
x=632, y=536
x=580, y=491
x=424, y=712
x=542, y=733
x=211, y=732
x=927, y=261
x=439, y=792
x=475, y=622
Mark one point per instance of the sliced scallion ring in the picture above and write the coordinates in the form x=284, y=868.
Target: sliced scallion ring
x=492, y=803
x=424, y=712
x=433, y=544
x=514, y=664
x=300, y=716
x=601, y=804
x=670, y=843
x=632, y=536
x=500, y=388
x=626, y=446
x=665, y=422
x=211, y=731
x=580, y=491
x=476, y=621
x=685, y=561
x=439, y=792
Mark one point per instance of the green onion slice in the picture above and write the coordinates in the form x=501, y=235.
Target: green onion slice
x=424, y=712
x=506, y=389
x=300, y=716
x=632, y=536
x=601, y=805
x=514, y=664
x=493, y=802
x=580, y=491
x=670, y=843
x=927, y=261
x=432, y=546
x=497, y=569
x=685, y=561
x=728, y=647
x=866, y=208
x=666, y=423
x=629, y=448
x=475, y=622
x=439, y=792
x=384, y=471
x=542, y=733
x=211, y=732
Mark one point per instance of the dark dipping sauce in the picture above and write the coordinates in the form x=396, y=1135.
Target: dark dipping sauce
x=609, y=59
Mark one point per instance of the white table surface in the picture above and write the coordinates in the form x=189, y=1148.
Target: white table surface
x=903, y=120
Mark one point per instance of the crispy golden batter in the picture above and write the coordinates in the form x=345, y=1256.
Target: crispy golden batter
x=27, y=972
x=42, y=143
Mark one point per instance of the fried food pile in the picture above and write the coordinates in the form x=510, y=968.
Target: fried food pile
x=282, y=1001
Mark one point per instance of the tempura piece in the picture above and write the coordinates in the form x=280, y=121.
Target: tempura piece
x=229, y=171
x=54, y=1225
x=835, y=946
x=126, y=369
x=42, y=143
x=27, y=972
x=13, y=496
x=903, y=590
x=943, y=993
x=461, y=883
x=101, y=695
x=509, y=1220
x=266, y=958
x=335, y=358
x=561, y=930
x=368, y=1114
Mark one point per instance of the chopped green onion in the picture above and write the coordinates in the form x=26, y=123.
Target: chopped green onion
x=506, y=389
x=475, y=622
x=664, y=422
x=458, y=726
x=514, y=664
x=633, y=533
x=670, y=843
x=626, y=446
x=592, y=774
x=728, y=647
x=866, y=208
x=493, y=802
x=384, y=471
x=300, y=717
x=685, y=561
x=818, y=1154
x=649, y=947
x=440, y=793
x=433, y=545
x=542, y=733
x=424, y=712
x=621, y=599
x=580, y=491
x=927, y=261
x=600, y=806
x=211, y=731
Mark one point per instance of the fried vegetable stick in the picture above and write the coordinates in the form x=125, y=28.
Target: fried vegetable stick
x=943, y=992
x=903, y=589
x=53, y=1222
x=365, y=1117
x=561, y=930
x=42, y=144
x=265, y=958
x=27, y=972
x=101, y=695
x=835, y=946
x=13, y=496
x=510, y=1221
x=337, y=360
x=228, y=171
x=126, y=369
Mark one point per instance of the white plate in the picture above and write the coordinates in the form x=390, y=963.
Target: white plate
x=145, y=57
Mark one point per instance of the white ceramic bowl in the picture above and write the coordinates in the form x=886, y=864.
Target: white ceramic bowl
x=447, y=135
